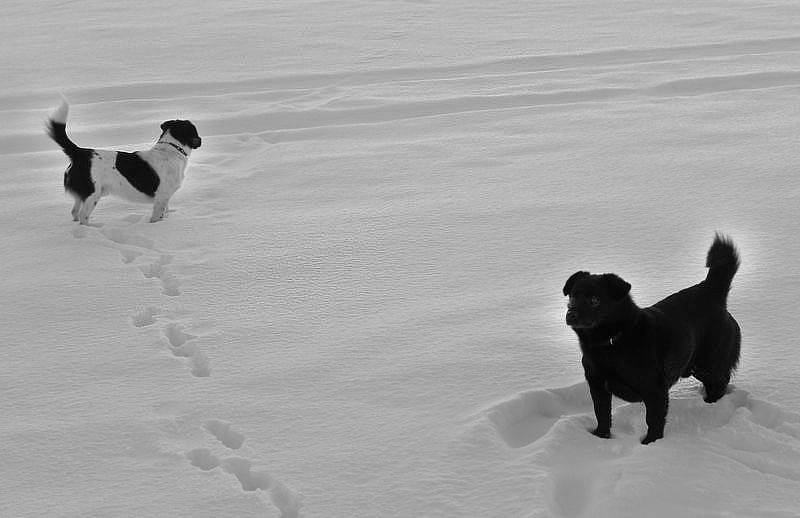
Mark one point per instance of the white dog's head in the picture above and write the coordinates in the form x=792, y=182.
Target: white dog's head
x=182, y=131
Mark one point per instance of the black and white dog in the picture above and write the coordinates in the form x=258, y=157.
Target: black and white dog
x=150, y=176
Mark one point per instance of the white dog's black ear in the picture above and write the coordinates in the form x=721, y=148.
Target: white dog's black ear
x=571, y=281
x=617, y=287
x=166, y=125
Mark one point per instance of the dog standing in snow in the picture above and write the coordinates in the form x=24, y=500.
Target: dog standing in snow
x=150, y=176
x=637, y=354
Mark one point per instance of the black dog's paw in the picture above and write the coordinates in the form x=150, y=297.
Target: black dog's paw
x=603, y=434
x=714, y=393
x=651, y=438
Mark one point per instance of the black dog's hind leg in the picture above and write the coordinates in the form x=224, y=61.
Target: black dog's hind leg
x=601, y=399
x=719, y=362
x=715, y=385
x=715, y=391
x=656, y=406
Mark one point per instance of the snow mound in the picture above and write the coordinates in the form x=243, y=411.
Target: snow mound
x=530, y=415
x=710, y=454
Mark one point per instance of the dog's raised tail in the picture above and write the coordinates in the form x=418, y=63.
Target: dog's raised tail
x=57, y=129
x=722, y=262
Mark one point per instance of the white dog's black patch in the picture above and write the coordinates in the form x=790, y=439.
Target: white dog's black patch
x=139, y=173
x=77, y=179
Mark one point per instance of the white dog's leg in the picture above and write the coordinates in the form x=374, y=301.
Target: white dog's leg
x=87, y=207
x=159, y=210
x=75, y=208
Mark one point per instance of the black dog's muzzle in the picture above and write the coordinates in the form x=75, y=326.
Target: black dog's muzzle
x=576, y=322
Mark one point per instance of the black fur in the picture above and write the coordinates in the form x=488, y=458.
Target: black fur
x=138, y=172
x=723, y=263
x=637, y=353
x=77, y=178
x=183, y=131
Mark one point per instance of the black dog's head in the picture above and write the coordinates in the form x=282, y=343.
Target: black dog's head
x=594, y=299
x=183, y=131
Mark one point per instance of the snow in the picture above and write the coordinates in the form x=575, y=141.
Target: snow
x=354, y=307
x=738, y=457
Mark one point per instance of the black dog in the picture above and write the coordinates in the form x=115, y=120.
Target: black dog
x=637, y=354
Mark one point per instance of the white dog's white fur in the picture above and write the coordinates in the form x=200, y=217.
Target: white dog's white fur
x=150, y=176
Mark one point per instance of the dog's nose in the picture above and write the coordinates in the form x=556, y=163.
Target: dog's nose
x=572, y=317
x=196, y=142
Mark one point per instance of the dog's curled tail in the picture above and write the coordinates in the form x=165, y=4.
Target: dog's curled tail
x=57, y=129
x=722, y=262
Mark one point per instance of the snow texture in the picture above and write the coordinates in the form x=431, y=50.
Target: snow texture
x=354, y=307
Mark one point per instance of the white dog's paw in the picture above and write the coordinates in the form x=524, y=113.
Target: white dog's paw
x=160, y=210
x=160, y=216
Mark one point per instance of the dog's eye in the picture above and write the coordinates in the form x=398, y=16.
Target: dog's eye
x=595, y=302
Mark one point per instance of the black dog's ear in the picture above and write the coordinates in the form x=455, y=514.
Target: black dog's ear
x=166, y=125
x=571, y=281
x=617, y=287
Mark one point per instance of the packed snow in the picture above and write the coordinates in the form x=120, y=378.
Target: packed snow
x=353, y=308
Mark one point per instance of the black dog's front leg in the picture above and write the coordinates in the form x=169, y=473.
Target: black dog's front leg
x=656, y=407
x=601, y=399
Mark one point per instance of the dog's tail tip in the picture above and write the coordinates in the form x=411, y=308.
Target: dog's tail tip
x=722, y=260
x=722, y=252
x=59, y=116
x=56, y=127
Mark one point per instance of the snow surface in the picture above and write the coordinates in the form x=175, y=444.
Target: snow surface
x=354, y=308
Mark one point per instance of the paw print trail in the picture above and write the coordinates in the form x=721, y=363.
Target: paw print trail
x=145, y=317
x=250, y=480
x=224, y=433
x=140, y=251
x=180, y=347
x=225, y=456
x=169, y=284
